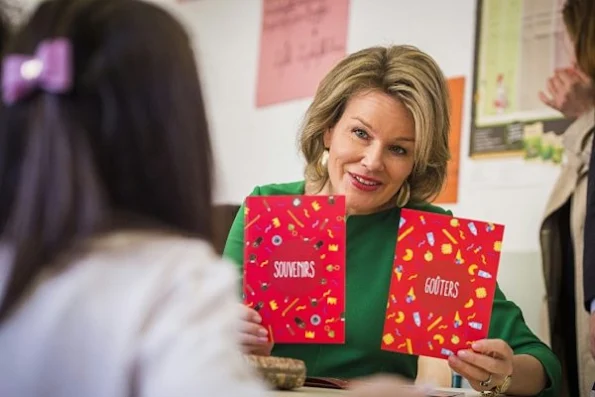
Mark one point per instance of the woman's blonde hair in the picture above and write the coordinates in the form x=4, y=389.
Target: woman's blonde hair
x=410, y=76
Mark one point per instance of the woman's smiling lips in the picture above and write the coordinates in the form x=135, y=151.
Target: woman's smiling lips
x=364, y=183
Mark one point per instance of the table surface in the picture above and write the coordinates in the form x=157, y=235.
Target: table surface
x=315, y=392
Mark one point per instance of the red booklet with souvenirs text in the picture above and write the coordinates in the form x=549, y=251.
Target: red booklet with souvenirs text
x=294, y=266
x=442, y=285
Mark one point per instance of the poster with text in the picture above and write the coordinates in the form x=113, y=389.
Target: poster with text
x=300, y=42
x=519, y=45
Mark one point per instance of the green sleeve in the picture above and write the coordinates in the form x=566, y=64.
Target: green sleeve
x=509, y=325
x=234, y=246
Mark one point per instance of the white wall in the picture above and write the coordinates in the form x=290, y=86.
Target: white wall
x=258, y=146
x=227, y=36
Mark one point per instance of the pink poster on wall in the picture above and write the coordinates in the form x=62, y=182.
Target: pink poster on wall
x=301, y=40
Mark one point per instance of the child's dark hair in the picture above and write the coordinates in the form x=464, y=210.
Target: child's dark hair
x=5, y=25
x=129, y=140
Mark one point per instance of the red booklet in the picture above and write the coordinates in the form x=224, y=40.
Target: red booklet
x=294, y=266
x=443, y=284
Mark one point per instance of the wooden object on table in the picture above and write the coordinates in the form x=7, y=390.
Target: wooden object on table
x=280, y=372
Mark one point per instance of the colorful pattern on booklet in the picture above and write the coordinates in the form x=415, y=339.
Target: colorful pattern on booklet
x=443, y=284
x=294, y=266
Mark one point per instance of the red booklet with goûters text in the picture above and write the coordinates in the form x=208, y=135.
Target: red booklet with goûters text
x=442, y=285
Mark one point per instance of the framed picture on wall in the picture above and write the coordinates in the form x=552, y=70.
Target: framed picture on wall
x=518, y=46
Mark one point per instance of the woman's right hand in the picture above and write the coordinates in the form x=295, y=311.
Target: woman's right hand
x=570, y=92
x=254, y=338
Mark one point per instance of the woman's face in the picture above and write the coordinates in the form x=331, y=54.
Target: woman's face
x=370, y=151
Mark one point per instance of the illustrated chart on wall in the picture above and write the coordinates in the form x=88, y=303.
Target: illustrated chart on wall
x=300, y=42
x=519, y=44
x=450, y=193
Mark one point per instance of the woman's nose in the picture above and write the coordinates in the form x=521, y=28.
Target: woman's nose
x=373, y=158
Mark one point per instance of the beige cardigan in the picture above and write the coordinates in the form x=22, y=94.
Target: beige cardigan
x=572, y=183
x=136, y=314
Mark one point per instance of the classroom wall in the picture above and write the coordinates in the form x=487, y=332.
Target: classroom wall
x=258, y=146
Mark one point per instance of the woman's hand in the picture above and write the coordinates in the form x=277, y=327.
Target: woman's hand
x=570, y=92
x=486, y=365
x=253, y=336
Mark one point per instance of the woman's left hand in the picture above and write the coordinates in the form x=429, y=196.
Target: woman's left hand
x=486, y=365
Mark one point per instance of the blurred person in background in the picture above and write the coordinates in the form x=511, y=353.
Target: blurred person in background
x=109, y=285
x=585, y=54
x=570, y=91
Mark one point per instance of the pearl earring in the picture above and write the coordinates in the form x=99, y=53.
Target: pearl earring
x=324, y=158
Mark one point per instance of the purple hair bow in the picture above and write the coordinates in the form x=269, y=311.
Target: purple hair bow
x=49, y=69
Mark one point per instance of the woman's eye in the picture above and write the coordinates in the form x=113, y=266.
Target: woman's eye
x=361, y=133
x=398, y=150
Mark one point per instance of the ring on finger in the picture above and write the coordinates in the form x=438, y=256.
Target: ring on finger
x=486, y=383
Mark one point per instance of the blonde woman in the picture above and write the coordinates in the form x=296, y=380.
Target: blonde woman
x=377, y=132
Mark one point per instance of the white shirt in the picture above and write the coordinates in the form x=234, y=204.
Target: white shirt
x=136, y=314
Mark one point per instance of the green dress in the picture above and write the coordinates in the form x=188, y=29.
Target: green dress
x=370, y=250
